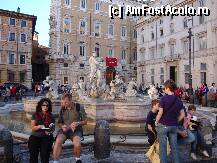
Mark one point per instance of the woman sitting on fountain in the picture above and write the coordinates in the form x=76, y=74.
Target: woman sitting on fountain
x=41, y=138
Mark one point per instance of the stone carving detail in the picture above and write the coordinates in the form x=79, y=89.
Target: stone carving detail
x=131, y=88
x=117, y=86
x=152, y=92
x=53, y=88
x=52, y=22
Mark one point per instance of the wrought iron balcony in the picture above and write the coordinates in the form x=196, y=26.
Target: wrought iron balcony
x=170, y=58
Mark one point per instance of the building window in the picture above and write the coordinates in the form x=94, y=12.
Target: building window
x=81, y=65
x=12, y=21
x=65, y=65
x=111, y=29
x=161, y=79
x=135, y=55
x=203, y=67
x=110, y=52
x=65, y=80
x=22, y=59
x=66, y=30
x=11, y=76
x=11, y=58
x=201, y=19
x=82, y=27
x=11, y=36
x=143, y=39
x=82, y=50
x=66, y=49
x=152, y=71
x=97, y=28
x=161, y=21
x=97, y=51
x=143, y=78
x=171, y=28
x=162, y=70
x=161, y=51
x=171, y=17
x=134, y=34
x=152, y=53
x=202, y=43
x=67, y=21
x=186, y=78
x=203, y=77
x=22, y=76
x=185, y=46
x=123, y=31
x=161, y=32
x=123, y=54
x=67, y=2
x=172, y=49
x=23, y=23
x=83, y=4
x=97, y=6
x=185, y=23
x=81, y=78
x=23, y=37
x=152, y=35
x=186, y=68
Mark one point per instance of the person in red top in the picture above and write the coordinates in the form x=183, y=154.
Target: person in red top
x=13, y=90
x=177, y=92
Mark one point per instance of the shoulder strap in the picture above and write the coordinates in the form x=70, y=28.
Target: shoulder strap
x=78, y=109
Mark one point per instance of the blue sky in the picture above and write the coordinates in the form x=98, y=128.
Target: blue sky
x=39, y=8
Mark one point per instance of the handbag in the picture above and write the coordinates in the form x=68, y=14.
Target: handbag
x=154, y=152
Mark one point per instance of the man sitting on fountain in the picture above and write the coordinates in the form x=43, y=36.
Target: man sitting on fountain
x=71, y=119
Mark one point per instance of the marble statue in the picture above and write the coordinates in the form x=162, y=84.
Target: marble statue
x=117, y=86
x=52, y=87
x=95, y=65
x=74, y=90
x=106, y=94
x=152, y=92
x=81, y=91
x=131, y=88
x=97, y=83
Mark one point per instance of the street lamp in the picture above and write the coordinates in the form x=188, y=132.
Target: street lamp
x=190, y=90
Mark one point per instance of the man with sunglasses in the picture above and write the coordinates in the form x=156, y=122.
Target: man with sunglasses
x=71, y=119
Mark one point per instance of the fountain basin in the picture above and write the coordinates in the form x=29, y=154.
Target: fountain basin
x=110, y=111
x=118, y=111
x=30, y=106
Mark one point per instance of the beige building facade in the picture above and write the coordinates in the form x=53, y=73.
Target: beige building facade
x=78, y=27
x=163, y=46
x=16, y=34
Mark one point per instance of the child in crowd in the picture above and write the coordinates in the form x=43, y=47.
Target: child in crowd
x=150, y=121
x=193, y=125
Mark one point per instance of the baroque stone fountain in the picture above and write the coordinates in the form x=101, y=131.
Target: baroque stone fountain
x=101, y=101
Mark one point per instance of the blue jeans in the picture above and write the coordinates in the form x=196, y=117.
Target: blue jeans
x=163, y=132
x=187, y=140
x=198, y=143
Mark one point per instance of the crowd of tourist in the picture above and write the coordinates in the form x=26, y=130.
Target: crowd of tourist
x=168, y=120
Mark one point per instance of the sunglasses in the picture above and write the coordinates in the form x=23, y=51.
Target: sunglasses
x=45, y=105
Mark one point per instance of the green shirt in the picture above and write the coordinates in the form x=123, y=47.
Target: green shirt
x=69, y=115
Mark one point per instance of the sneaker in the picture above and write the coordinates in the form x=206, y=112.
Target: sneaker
x=193, y=156
x=205, y=153
x=78, y=161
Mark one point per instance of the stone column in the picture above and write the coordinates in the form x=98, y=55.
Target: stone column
x=6, y=145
